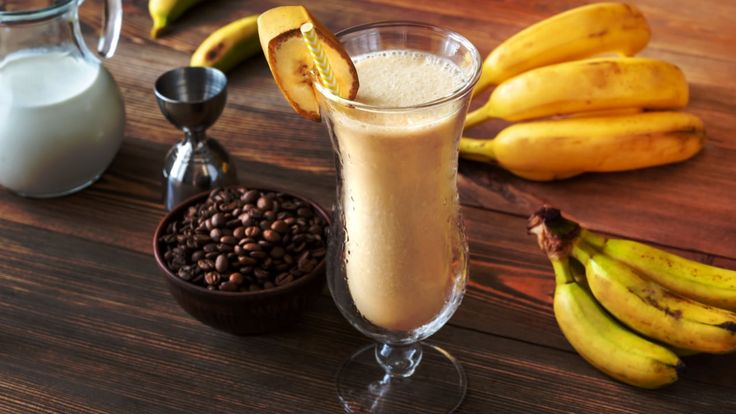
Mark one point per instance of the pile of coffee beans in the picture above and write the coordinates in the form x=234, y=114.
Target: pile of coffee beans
x=244, y=240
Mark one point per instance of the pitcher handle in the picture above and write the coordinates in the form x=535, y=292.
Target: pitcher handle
x=112, y=22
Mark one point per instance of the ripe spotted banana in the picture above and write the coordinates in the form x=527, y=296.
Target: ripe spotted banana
x=575, y=34
x=556, y=149
x=595, y=335
x=707, y=284
x=164, y=12
x=652, y=310
x=229, y=45
x=584, y=86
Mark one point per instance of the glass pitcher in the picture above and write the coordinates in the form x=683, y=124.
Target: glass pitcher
x=61, y=112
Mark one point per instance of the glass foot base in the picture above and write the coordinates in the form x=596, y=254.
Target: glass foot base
x=437, y=385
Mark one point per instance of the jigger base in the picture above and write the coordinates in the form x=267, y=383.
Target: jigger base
x=437, y=386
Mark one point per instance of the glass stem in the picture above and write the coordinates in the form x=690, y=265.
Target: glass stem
x=399, y=361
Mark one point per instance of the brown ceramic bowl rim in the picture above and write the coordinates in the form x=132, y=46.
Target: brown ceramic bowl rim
x=191, y=287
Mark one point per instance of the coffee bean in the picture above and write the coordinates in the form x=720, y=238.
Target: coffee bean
x=239, y=233
x=264, y=203
x=230, y=240
x=258, y=254
x=228, y=286
x=304, y=212
x=246, y=270
x=212, y=278
x=283, y=279
x=319, y=252
x=261, y=274
x=224, y=247
x=245, y=260
x=197, y=256
x=236, y=278
x=277, y=252
x=254, y=288
x=238, y=250
x=250, y=196
x=221, y=263
x=218, y=220
x=304, y=264
x=251, y=247
x=245, y=219
x=268, y=285
x=184, y=274
x=272, y=236
x=215, y=235
x=252, y=231
x=211, y=247
x=299, y=247
x=205, y=264
x=280, y=226
x=201, y=238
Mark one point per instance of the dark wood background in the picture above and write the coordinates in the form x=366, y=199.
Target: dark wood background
x=86, y=323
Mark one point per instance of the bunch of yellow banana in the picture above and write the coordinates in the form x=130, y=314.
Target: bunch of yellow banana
x=598, y=107
x=636, y=307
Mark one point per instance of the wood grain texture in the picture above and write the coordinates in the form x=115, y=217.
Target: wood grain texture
x=87, y=326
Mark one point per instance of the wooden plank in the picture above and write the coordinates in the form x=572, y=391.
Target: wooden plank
x=105, y=336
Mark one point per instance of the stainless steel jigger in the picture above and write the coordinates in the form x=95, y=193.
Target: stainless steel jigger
x=192, y=98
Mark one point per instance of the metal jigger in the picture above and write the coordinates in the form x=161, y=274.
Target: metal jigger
x=192, y=98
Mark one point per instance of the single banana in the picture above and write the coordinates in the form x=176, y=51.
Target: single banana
x=229, y=45
x=557, y=149
x=164, y=12
x=652, y=310
x=584, y=86
x=575, y=34
x=595, y=335
x=707, y=284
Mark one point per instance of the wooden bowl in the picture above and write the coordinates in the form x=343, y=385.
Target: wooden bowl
x=242, y=313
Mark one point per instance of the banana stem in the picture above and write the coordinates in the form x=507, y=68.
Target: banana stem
x=555, y=234
x=479, y=115
x=563, y=274
x=593, y=239
x=582, y=252
x=477, y=149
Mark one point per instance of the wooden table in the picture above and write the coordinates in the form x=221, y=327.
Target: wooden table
x=87, y=325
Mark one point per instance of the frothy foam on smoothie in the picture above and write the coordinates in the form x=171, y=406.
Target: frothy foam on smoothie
x=400, y=78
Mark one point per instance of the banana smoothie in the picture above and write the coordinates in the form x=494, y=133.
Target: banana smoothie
x=399, y=192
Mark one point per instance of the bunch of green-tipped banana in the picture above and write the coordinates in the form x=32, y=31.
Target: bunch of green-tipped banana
x=583, y=113
x=224, y=48
x=634, y=308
